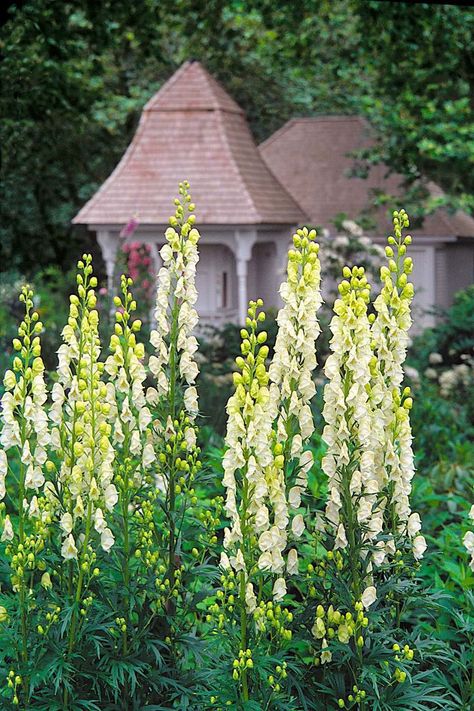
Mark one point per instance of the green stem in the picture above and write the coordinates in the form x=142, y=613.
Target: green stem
x=80, y=580
x=126, y=567
x=21, y=530
x=243, y=634
x=81, y=560
x=172, y=472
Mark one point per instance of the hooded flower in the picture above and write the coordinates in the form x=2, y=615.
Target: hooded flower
x=348, y=411
x=81, y=420
x=369, y=596
x=393, y=454
x=23, y=420
x=126, y=390
x=175, y=315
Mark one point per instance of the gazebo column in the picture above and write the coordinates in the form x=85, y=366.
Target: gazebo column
x=244, y=239
x=108, y=245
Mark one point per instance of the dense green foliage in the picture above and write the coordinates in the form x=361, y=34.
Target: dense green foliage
x=147, y=619
x=75, y=75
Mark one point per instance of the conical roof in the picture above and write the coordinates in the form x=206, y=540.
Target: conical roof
x=192, y=130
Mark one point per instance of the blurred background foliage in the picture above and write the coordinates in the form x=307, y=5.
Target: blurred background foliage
x=75, y=74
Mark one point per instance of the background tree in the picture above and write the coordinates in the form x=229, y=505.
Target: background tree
x=76, y=73
x=420, y=61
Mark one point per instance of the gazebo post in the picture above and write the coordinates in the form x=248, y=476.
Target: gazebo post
x=245, y=240
x=108, y=247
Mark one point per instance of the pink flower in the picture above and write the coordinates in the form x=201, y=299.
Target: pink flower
x=103, y=291
x=130, y=227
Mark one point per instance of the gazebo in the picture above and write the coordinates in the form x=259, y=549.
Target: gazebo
x=193, y=130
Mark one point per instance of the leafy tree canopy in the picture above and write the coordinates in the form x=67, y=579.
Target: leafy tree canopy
x=76, y=74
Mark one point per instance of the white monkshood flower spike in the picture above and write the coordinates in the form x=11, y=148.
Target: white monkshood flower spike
x=24, y=429
x=248, y=452
x=173, y=400
x=392, y=438
x=348, y=462
x=291, y=371
x=81, y=433
x=173, y=364
x=131, y=431
x=294, y=361
x=23, y=420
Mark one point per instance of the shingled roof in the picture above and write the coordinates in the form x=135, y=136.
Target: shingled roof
x=192, y=130
x=311, y=158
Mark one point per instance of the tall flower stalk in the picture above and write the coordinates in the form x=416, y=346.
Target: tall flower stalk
x=24, y=432
x=292, y=386
x=265, y=467
x=83, y=493
x=174, y=400
x=245, y=462
x=131, y=432
x=369, y=457
x=393, y=443
x=348, y=462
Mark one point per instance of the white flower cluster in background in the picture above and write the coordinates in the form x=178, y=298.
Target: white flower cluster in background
x=468, y=540
x=458, y=377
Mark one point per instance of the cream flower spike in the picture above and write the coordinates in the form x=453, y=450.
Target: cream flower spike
x=24, y=423
x=394, y=462
x=248, y=442
x=348, y=412
x=82, y=404
x=291, y=371
x=294, y=361
x=127, y=374
x=175, y=313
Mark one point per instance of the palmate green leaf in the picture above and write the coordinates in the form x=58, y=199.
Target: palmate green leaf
x=418, y=693
x=119, y=672
x=252, y=706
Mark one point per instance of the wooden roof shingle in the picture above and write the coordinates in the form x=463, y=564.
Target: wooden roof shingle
x=311, y=158
x=192, y=130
